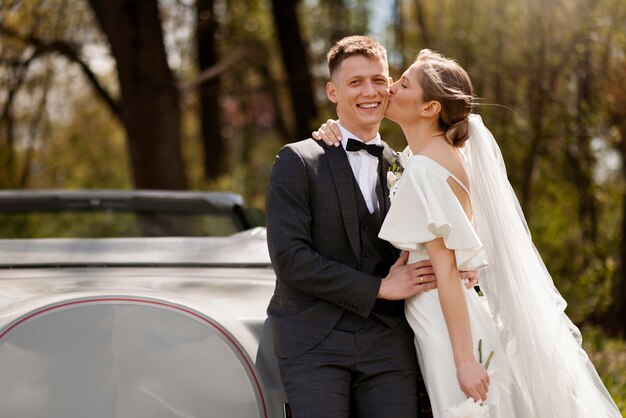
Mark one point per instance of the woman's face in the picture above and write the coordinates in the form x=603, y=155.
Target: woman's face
x=405, y=101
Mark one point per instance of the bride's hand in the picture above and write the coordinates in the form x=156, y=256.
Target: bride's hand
x=329, y=132
x=473, y=379
x=470, y=278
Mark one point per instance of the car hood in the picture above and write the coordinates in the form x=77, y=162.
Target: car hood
x=228, y=277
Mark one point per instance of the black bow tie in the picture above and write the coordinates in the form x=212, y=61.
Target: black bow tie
x=354, y=145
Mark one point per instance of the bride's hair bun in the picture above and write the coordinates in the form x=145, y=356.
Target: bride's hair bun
x=458, y=132
x=445, y=81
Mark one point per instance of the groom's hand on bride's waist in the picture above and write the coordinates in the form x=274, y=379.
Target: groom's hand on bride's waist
x=405, y=280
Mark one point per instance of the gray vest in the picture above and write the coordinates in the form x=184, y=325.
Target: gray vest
x=376, y=258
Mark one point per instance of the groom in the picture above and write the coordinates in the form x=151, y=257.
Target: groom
x=343, y=344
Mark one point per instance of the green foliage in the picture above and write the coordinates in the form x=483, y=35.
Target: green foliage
x=608, y=355
x=68, y=225
x=113, y=224
x=86, y=151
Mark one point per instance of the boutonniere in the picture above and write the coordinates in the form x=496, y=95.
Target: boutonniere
x=394, y=172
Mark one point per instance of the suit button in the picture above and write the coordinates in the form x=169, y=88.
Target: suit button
x=366, y=227
x=367, y=254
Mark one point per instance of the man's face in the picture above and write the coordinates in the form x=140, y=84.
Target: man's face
x=360, y=88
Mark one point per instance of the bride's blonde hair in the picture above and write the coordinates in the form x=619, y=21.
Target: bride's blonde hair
x=445, y=81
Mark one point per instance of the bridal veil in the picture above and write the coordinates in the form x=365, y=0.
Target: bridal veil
x=553, y=373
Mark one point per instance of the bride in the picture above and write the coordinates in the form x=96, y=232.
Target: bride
x=454, y=205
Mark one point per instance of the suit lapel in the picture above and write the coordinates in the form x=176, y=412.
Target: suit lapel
x=385, y=163
x=380, y=191
x=344, y=183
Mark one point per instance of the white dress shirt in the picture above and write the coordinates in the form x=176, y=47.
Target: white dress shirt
x=364, y=167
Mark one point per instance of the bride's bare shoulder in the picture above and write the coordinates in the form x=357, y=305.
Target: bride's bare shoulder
x=441, y=152
x=447, y=156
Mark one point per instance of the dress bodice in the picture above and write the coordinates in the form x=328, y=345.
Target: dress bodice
x=425, y=208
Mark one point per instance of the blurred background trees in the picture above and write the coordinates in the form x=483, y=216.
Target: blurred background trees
x=200, y=94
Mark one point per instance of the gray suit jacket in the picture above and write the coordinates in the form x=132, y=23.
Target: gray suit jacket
x=314, y=242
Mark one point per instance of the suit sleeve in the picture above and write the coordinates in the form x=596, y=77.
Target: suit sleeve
x=296, y=262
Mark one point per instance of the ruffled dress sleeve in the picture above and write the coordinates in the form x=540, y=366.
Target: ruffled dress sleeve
x=425, y=208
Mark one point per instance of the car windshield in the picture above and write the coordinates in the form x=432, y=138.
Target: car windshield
x=91, y=214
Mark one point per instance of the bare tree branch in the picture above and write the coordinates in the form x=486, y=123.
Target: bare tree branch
x=214, y=71
x=70, y=52
x=19, y=70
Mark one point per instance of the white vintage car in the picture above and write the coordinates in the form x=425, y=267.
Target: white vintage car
x=159, y=326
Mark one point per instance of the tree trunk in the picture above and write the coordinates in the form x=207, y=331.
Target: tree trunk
x=269, y=81
x=615, y=321
x=8, y=164
x=583, y=170
x=399, y=33
x=8, y=170
x=150, y=100
x=421, y=22
x=500, y=72
x=537, y=103
x=360, y=14
x=296, y=63
x=215, y=149
x=339, y=18
x=532, y=154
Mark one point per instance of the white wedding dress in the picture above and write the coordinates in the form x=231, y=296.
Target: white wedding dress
x=538, y=369
x=425, y=208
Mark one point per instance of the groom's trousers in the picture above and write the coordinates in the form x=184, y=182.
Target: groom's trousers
x=369, y=372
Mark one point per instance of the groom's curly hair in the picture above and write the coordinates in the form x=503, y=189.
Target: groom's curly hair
x=354, y=45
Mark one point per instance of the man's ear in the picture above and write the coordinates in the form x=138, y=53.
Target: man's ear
x=432, y=108
x=331, y=92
